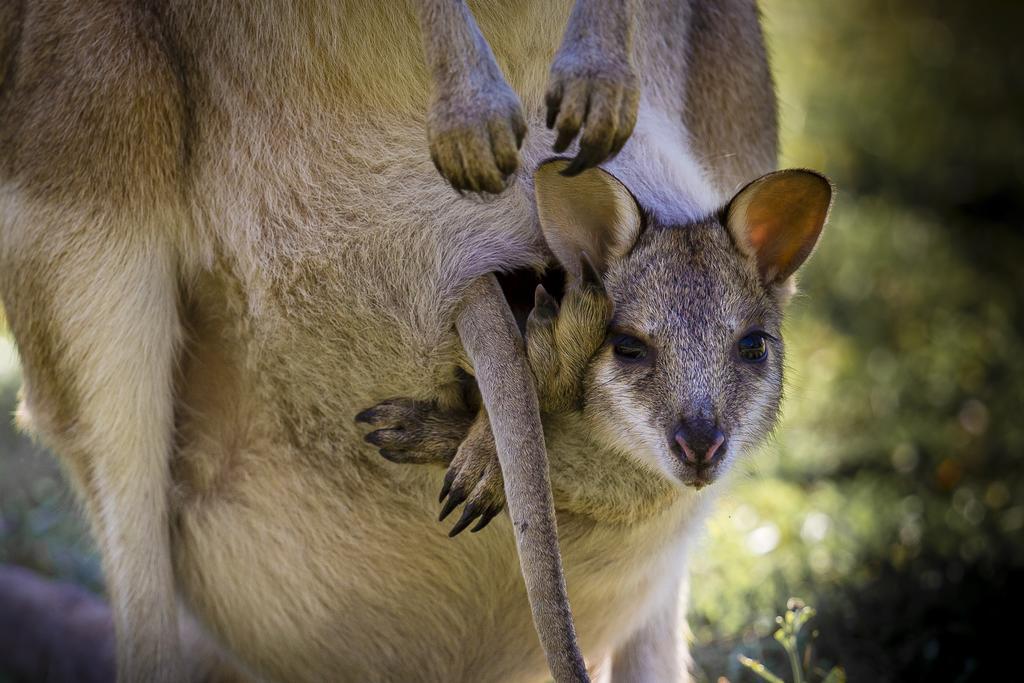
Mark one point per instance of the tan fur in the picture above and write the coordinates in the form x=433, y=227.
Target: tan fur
x=221, y=236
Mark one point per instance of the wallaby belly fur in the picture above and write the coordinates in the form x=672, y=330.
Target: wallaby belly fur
x=221, y=237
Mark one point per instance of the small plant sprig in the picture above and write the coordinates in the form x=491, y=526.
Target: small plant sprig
x=788, y=635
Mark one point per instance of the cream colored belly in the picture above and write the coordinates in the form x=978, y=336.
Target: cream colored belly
x=312, y=575
x=309, y=574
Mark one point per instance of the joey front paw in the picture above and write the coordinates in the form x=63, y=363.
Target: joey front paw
x=474, y=478
x=415, y=432
x=598, y=94
x=475, y=135
x=562, y=338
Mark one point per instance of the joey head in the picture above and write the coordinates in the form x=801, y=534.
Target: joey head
x=668, y=340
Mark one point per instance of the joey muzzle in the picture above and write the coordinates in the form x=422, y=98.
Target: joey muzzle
x=700, y=445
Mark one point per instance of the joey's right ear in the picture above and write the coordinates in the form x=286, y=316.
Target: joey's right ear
x=590, y=213
x=778, y=218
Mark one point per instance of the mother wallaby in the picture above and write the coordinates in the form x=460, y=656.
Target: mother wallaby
x=221, y=237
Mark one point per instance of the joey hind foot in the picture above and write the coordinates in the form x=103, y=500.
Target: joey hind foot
x=420, y=433
x=474, y=478
x=475, y=133
x=597, y=93
x=415, y=432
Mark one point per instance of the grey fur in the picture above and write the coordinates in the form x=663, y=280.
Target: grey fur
x=221, y=237
x=475, y=124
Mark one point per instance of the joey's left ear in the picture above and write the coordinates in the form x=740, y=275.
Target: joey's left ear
x=777, y=220
x=591, y=213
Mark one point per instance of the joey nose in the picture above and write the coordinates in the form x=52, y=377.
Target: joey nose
x=701, y=444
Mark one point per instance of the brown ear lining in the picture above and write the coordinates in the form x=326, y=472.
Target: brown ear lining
x=778, y=218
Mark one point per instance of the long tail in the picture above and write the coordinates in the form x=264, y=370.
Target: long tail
x=494, y=346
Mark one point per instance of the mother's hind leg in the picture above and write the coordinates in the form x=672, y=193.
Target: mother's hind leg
x=91, y=154
x=94, y=316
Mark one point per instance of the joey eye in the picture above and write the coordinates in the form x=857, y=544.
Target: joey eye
x=629, y=348
x=753, y=348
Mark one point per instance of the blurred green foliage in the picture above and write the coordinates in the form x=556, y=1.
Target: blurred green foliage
x=797, y=642
x=892, y=496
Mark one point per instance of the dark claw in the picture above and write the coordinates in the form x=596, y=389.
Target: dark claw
x=454, y=500
x=469, y=513
x=617, y=146
x=592, y=151
x=367, y=416
x=564, y=139
x=377, y=437
x=553, y=100
x=446, y=487
x=394, y=456
x=544, y=305
x=520, y=130
x=485, y=519
x=574, y=168
x=587, y=157
x=508, y=167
